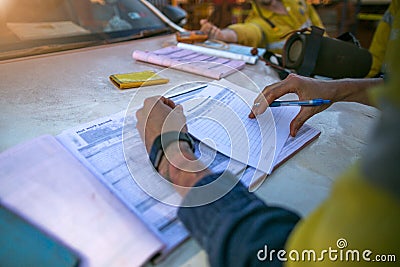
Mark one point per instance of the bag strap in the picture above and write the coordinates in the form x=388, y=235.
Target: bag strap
x=349, y=37
x=311, y=52
x=268, y=21
x=278, y=66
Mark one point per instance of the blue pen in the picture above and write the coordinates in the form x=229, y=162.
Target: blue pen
x=313, y=102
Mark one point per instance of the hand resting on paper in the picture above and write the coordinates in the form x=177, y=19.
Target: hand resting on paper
x=159, y=115
x=178, y=165
x=351, y=90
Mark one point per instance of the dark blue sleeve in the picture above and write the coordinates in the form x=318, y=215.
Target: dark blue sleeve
x=235, y=227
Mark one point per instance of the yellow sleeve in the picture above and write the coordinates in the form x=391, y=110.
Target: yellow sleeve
x=378, y=48
x=357, y=216
x=361, y=216
x=392, y=92
x=381, y=38
x=248, y=34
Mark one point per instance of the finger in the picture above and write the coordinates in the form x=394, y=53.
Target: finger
x=214, y=32
x=271, y=93
x=139, y=122
x=299, y=120
x=252, y=115
x=157, y=102
x=206, y=27
x=151, y=101
x=259, y=106
x=179, y=108
x=168, y=102
x=261, y=102
x=209, y=28
x=138, y=114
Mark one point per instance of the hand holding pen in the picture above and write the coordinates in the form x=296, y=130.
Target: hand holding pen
x=314, y=97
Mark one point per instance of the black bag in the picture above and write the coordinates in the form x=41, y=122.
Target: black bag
x=310, y=53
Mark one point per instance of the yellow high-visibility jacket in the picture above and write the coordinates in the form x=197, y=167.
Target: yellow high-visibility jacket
x=381, y=38
x=256, y=32
x=362, y=212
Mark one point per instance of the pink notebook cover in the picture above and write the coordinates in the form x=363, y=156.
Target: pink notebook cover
x=190, y=61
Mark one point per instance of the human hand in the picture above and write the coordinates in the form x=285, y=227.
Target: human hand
x=211, y=30
x=306, y=89
x=179, y=165
x=159, y=115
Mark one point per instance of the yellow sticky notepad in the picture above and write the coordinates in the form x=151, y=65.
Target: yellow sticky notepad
x=136, y=79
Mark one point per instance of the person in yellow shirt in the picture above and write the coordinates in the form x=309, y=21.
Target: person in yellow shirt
x=359, y=221
x=268, y=21
x=357, y=225
x=364, y=206
x=381, y=39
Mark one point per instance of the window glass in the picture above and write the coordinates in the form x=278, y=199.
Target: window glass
x=36, y=26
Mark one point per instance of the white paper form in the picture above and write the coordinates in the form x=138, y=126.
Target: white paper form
x=99, y=147
x=304, y=136
x=45, y=183
x=253, y=178
x=249, y=176
x=218, y=116
x=216, y=161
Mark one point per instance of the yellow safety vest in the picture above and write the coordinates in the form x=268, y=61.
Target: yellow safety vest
x=257, y=32
x=381, y=38
x=362, y=214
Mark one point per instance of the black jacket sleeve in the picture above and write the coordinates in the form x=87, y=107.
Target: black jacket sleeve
x=234, y=228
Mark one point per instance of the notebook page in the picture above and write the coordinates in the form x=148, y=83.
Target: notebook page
x=218, y=116
x=99, y=146
x=47, y=185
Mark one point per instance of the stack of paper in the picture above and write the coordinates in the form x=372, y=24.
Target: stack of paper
x=233, y=51
x=214, y=67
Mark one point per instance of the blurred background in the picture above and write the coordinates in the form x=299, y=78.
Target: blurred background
x=357, y=16
x=26, y=25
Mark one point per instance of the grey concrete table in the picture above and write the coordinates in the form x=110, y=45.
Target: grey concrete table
x=48, y=94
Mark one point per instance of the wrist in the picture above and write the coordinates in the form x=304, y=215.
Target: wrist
x=174, y=154
x=229, y=36
x=353, y=90
x=343, y=90
x=163, y=141
x=180, y=166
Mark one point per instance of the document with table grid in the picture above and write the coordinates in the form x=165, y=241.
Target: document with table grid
x=99, y=146
x=111, y=148
x=218, y=116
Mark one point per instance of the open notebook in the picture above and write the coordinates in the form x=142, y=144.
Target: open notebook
x=54, y=181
